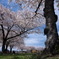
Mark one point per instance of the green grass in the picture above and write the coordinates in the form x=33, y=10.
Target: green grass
x=15, y=56
x=24, y=56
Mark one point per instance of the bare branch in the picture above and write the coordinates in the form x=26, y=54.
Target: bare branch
x=38, y=7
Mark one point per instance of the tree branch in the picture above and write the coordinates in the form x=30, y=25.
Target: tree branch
x=38, y=7
x=3, y=31
x=17, y=35
x=9, y=30
x=22, y=32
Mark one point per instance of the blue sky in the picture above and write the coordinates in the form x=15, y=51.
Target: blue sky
x=14, y=6
x=34, y=39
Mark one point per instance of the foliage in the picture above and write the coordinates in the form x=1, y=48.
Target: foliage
x=15, y=24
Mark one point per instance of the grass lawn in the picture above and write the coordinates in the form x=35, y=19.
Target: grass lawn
x=23, y=56
x=15, y=56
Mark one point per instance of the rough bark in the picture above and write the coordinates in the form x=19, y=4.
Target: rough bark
x=50, y=30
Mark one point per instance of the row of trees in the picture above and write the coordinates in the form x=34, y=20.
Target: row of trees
x=30, y=48
x=14, y=24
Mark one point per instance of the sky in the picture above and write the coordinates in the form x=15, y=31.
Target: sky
x=37, y=40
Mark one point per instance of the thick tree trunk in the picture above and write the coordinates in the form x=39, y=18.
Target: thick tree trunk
x=7, y=44
x=50, y=30
x=3, y=45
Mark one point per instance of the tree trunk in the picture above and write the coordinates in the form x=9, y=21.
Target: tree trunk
x=50, y=30
x=3, y=45
x=6, y=47
x=21, y=50
x=11, y=49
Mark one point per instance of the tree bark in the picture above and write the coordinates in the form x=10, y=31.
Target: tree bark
x=3, y=45
x=50, y=30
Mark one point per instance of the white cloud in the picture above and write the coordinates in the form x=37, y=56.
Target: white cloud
x=31, y=41
x=35, y=40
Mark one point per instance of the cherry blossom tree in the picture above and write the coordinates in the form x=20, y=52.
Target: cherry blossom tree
x=39, y=48
x=28, y=13
x=29, y=48
x=22, y=47
x=14, y=42
x=25, y=20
